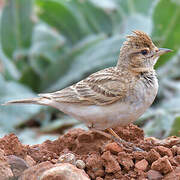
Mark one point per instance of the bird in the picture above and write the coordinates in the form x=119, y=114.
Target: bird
x=115, y=96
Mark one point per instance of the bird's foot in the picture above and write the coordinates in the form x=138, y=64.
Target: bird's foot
x=112, y=135
x=121, y=142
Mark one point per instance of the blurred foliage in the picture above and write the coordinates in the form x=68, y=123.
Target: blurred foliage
x=46, y=45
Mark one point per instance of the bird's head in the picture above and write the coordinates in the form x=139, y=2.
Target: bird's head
x=139, y=53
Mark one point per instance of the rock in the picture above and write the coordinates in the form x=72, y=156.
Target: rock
x=95, y=153
x=17, y=165
x=177, y=158
x=175, y=175
x=174, y=150
x=54, y=161
x=125, y=160
x=162, y=165
x=5, y=171
x=152, y=156
x=178, y=150
x=80, y=164
x=2, y=156
x=114, y=148
x=142, y=165
x=85, y=137
x=137, y=155
x=99, y=178
x=168, y=142
x=47, y=171
x=35, y=171
x=110, y=163
x=140, y=174
x=177, y=171
x=64, y=171
x=130, y=133
x=67, y=158
x=43, y=152
x=30, y=161
x=173, y=161
x=10, y=144
x=94, y=165
x=163, y=151
x=154, y=175
x=118, y=175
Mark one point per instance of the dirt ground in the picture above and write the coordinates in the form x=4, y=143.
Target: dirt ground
x=87, y=155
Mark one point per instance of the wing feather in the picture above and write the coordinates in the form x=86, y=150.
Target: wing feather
x=101, y=88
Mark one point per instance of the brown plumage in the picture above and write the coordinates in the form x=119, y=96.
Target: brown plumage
x=141, y=40
x=101, y=88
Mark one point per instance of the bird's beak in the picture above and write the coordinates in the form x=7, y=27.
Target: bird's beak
x=162, y=51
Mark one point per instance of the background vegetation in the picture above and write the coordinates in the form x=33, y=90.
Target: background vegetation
x=46, y=45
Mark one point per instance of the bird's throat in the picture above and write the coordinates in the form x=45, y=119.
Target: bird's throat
x=141, y=70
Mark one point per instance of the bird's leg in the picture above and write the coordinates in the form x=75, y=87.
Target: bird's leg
x=91, y=127
x=117, y=139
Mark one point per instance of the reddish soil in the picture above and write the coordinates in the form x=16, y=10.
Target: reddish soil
x=91, y=155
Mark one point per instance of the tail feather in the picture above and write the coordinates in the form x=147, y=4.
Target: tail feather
x=38, y=100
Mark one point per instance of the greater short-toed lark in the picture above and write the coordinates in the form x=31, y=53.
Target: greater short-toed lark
x=114, y=96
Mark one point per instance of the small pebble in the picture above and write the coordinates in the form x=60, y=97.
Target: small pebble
x=110, y=163
x=114, y=148
x=142, y=165
x=17, y=165
x=153, y=155
x=67, y=158
x=125, y=160
x=154, y=175
x=164, y=151
x=162, y=165
x=80, y=164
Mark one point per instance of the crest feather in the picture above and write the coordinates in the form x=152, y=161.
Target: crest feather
x=139, y=39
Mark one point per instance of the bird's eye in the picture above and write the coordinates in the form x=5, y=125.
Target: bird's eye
x=144, y=52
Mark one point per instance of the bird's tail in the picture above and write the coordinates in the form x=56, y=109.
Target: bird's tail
x=38, y=100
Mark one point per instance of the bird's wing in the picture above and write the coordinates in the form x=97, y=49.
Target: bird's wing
x=101, y=88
